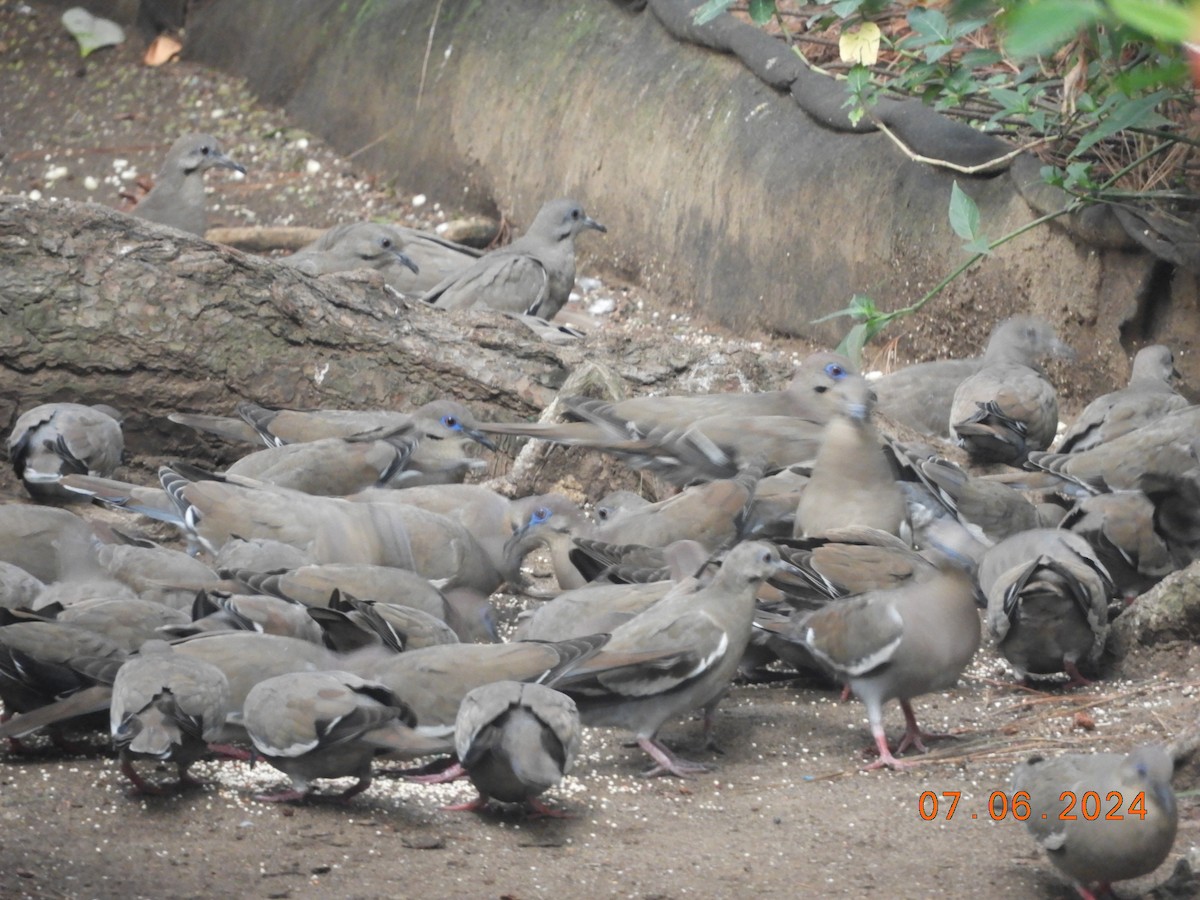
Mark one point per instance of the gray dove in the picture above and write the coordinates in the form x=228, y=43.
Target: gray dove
x=533, y=275
x=1008, y=407
x=678, y=655
x=166, y=706
x=1134, y=821
x=177, y=198
x=56, y=439
x=1047, y=601
x=329, y=724
x=362, y=245
x=514, y=741
x=1148, y=397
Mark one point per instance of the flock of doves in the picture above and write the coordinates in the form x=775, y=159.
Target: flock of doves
x=333, y=603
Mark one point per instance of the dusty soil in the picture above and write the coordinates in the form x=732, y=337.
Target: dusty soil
x=786, y=811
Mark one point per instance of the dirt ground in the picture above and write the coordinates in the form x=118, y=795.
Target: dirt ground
x=787, y=810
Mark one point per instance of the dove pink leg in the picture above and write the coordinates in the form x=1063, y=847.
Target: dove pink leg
x=666, y=762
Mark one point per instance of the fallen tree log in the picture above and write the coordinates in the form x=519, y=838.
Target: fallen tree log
x=96, y=306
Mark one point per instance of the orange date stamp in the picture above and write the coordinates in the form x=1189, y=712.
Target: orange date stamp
x=1001, y=805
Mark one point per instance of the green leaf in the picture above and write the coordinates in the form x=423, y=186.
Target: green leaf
x=1033, y=29
x=964, y=214
x=861, y=307
x=980, y=246
x=852, y=344
x=1166, y=22
x=930, y=24
x=1133, y=113
x=709, y=10
x=846, y=8
x=762, y=11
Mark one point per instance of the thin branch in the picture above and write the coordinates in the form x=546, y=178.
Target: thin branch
x=437, y=10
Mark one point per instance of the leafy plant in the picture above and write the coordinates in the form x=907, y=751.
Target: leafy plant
x=1099, y=89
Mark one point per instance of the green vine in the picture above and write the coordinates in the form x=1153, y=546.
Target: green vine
x=1100, y=91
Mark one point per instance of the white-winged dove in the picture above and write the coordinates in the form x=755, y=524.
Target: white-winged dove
x=920, y=396
x=1008, y=407
x=433, y=680
x=1100, y=817
x=1148, y=396
x=329, y=724
x=177, y=198
x=166, y=706
x=435, y=257
x=678, y=655
x=533, y=275
x=360, y=245
x=898, y=644
x=1047, y=601
x=853, y=482
x=516, y=741
x=56, y=439
x=719, y=432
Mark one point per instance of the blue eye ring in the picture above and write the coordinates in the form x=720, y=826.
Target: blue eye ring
x=540, y=515
x=451, y=422
x=836, y=371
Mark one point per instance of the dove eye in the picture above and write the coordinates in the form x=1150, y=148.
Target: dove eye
x=835, y=371
x=540, y=515
x=451, y=422
x=386, y=243
x=204, y=150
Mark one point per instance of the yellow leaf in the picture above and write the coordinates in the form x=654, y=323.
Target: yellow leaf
x=860, y=46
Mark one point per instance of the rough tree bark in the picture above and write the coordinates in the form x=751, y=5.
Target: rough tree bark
x=96, y=306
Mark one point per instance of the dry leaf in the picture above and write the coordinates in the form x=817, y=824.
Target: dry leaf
x=1085, y=721
x=162, y=49
x=860, y=46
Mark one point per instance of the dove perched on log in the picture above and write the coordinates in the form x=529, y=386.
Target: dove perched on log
x=533, y=275
x=362, y=245
x=166, y=706
x=1008, y=407
x=329, y=724
x=1148, y=397
x=177, y=198
x=435, y=257
x=678, y=655
x=56, y=439
x=1047, y=601
x=1136, y=817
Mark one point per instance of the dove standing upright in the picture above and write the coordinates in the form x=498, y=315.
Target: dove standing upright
x=898, y=644
x=678, y=655
x=177, y=198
